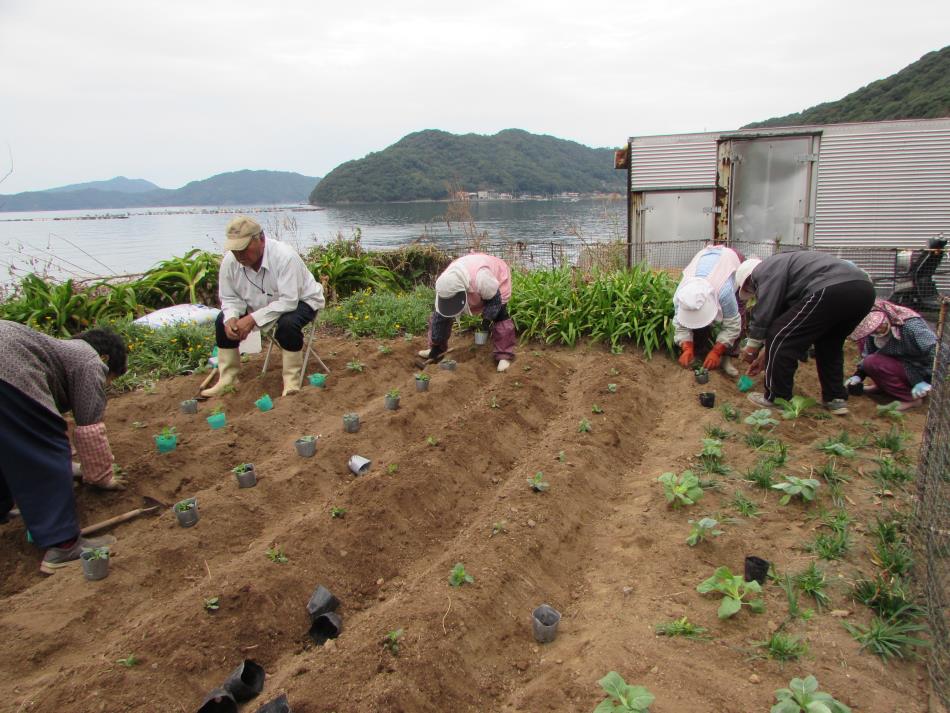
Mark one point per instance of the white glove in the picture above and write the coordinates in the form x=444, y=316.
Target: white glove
x=852, y=381
x=920, y=390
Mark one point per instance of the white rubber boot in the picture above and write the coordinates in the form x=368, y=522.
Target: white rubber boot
x=293, y=366
x=229, y=364
x=727, y=366
x=425, y=353
x=503, y=364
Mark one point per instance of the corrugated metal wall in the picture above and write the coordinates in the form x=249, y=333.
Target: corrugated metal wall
x=667, y=162
x=882, y=188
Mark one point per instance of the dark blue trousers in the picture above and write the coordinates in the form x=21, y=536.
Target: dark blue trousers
x=36, y=468
x=288, y=334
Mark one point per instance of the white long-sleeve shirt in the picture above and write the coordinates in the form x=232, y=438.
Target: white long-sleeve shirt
x=282, y=281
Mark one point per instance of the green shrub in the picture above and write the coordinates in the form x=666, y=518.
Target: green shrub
x=382, y=314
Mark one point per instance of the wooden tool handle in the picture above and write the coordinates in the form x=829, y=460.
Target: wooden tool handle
x=118, y=519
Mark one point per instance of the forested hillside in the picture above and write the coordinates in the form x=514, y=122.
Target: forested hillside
x=426, y=165
x=919, y=91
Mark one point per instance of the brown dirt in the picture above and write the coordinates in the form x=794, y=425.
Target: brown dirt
x=601, y=546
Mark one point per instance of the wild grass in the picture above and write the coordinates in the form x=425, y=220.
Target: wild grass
x=382, y=314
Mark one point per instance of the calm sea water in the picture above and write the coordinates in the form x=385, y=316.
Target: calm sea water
x=88, y=243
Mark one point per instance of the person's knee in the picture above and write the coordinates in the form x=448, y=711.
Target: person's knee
x=288, y=335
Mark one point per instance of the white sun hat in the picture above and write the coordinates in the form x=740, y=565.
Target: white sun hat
x=744, y=270
x=696, y=303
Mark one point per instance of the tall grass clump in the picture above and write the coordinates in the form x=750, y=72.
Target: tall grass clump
x=159, y=353
x=562, y=306
x=382, y=314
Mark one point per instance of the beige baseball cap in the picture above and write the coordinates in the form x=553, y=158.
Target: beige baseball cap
x=240, y=232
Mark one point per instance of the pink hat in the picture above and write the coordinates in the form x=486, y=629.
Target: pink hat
x=870, y=324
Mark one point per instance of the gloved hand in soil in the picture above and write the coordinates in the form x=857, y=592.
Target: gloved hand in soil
x=853, y=380
x=921, y=389
x=686, y=356
x=758, y=363
x=714, y=358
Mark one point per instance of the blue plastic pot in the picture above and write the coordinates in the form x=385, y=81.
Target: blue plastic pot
x=264, y=403
x=217, y=420
x=166, y=444
x=318, y=380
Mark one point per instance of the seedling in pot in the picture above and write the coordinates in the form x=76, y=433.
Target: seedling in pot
x=596, y=409
x=703, y=528
x=184, y=506
x=264, y=403
x=166, y=440
x=803, y=696
x=96, y=553
x=623, y=698
x=682, y=489
x=129, y=661
x=422, y=377
x=681, y=627
x=761, y=418
x=243, y=468
x=392, y=399
x=168, y=432
x=612, y=388
x=735, y=590
x=276, y=554
x=583, y=426
x=391, y=642
x=212, y=604
x=701, y=374
x=458, y=576
x=217, y=418
x=783, y=647
x=355, y=366
x=794, y=407
x=537, y=482
x=806, y=488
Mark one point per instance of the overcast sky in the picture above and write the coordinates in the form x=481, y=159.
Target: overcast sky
x=176, y=91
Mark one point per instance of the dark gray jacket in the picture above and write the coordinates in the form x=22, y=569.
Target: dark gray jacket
x=785, y=278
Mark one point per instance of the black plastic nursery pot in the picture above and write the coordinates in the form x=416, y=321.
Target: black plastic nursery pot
x=189, y=406
x=245, y=681
x=306, y=446
x=544, y=621
x=325, y=627
x=756, y=569
x=189, y=517
x=707, y=399
x=856, y=389
x=321, y=602
x=218, y=701
x=351, y=422
x=278, y=705
x=94, y=569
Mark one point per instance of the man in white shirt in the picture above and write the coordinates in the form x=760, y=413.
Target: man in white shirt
x=261, y=282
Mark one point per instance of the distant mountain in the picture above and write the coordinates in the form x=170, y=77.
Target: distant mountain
x=426, y=165
x=235, y=188
x=119, y=184
x=919, y=91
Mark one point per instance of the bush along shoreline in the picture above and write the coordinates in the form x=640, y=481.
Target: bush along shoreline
x=369, y=294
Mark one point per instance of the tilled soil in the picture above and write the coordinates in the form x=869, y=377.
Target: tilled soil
x=449, y=467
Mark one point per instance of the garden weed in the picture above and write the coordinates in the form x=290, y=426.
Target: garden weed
x=681, y=627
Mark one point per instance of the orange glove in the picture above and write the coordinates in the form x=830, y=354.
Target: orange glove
x=686, y=357
x=714, y=356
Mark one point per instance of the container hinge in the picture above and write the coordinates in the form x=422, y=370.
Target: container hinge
x=807, y=220
x=807, y=158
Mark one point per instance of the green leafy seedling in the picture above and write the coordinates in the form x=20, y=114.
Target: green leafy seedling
x=184, y=506
x=217, y=410
x=385, y=349
x=432, y=440
x=729, y=412
x=713, y=431
x=239, y=469
x=703, y=528
x=745, y=507
x=498, y=528
x=458, y=576
x=812, y=582
x=712, y=449
x=393, y=393
x=840, y=445
x=623, y=698
x=138, y=424
x=561, y=457
x=97, y=553
x=392, y=468
x=167, y=432
x=212, y=604
x=761, y=418
x=681, y=627
x=795, y=407
x=803, y=696
x=338, y=512
x=596, y=409
x=129, y=661
x=538, y=483
x=682, y=489
x=805, y=488
x=735, y=590
x=889, y=638
x=612, y=388
x=276, y=555
x=355, y=366
x=391, y=642
x=583, y=426
x=892, y=411
x=783, y=647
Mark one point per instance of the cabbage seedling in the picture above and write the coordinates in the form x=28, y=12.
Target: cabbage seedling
x=804, y=487
x=584, y=426
x=212, y=604
x=458, y=576
x=795, y=407
x=391, y=642
x=683, y=489
x=706, y=527
x=761, y=418
x=803, y=696
x=276, y=555
x=623, y=698
x=537, y=482
x=735, y=590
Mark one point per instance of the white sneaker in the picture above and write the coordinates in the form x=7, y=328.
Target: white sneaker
x=728, y=367
x=503, y=364
x=758, y=398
